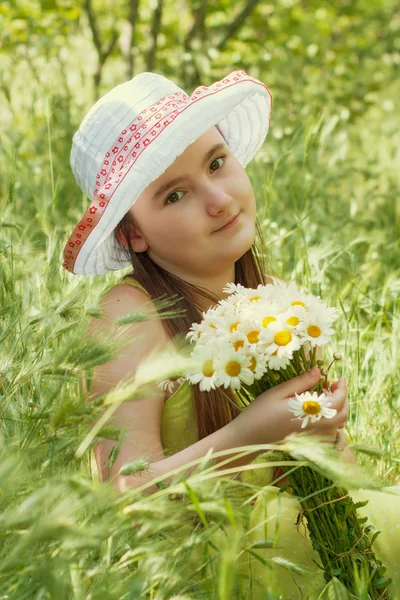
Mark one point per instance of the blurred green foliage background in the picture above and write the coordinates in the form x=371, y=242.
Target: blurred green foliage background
x=327, y=186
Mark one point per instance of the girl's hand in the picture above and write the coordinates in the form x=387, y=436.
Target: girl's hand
x=339, y=401
x=341, y=441
x=342, y=446
x=269, y=419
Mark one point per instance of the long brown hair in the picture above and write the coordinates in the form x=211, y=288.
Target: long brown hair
x=216, y=408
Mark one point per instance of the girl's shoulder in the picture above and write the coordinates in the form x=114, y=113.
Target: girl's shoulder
x=125, y=297
x=132, y=283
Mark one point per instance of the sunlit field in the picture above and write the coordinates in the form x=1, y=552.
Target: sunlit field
x=327, y=186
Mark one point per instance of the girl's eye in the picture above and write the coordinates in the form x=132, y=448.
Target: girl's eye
x=169, y=199
x=218, y=158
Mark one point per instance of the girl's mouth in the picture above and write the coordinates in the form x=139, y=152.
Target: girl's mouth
x=229, y=223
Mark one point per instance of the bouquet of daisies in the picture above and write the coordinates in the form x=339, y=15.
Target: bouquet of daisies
x=255, y=339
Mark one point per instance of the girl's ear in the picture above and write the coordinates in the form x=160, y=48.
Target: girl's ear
x=137, y=241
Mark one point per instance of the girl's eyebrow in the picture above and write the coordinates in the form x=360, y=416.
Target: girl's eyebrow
x=177, y=180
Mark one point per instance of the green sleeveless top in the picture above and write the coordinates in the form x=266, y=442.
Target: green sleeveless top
x=179, y=423
x=178, y=419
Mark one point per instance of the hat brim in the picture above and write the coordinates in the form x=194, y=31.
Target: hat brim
x=241, y=108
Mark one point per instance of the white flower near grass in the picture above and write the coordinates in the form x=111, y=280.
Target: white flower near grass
x=233, y=368
x=226, y=324
x=234, y=288
x=250, y=330
x=311, y=407
x=266, y=313
x=276, y=363
x=168, y=385
x=290, y=295
x=316, y=328
x=294, y=317
x=258, y=363
x=280, y=338
x=239, y=340
x=226, y=306
x=194, y=332
x=256, y=338
x=206, y=376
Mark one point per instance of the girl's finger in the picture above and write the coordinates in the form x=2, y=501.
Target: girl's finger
x=341, y=441
x=339, y=395
x=297, y=385
x=343, y=414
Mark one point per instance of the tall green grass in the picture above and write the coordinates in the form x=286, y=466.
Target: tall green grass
x=328, y=196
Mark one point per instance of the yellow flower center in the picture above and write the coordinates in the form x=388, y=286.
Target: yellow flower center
x=267, y=321
x=252, y=336
x=314, y=331
x=232, y=368
x=208, y=368
x=213, y=326
x=298, y=303
x=252, y=364
x=238, y=344
x=234, y=326
x=282, y=338
x=311, y=408
x=255, y=298
x=293, y=321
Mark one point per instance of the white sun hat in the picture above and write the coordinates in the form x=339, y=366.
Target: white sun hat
x=133, y=133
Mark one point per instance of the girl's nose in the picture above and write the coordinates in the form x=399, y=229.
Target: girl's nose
x=217, y=199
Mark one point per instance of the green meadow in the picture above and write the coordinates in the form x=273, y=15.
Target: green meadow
x=327, y=183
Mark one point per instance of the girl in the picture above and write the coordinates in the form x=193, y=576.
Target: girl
x=170, y=196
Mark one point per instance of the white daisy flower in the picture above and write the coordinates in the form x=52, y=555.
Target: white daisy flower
x=278, y=337
x=239, y=340
x=277, y=363
x=233, y=368
x=249, y=297
x=316, y=329
x=209, y=327
x=194, y=332
x=250, y=329
x=166, y=385
x=258, y=363
x=266, y=291
x=287, y=294
x=206, y=376
x=234, y=288
x=266, y=313
x=317, y=306
x=294, y=317
x=310, y=406
x=234, y=300
x=225, y=307
x=169, y=384
x=228, y=324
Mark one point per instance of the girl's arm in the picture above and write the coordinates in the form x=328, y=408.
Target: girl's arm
x=265, y=420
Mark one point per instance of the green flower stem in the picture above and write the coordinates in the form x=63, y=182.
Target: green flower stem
x=307, y=363
x=297, y=362
x=336, y=532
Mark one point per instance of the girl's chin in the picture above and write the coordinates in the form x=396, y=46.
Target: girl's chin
x=236, y=253
x=243, y=244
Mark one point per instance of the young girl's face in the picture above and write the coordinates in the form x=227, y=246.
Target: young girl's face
x=179, y=223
